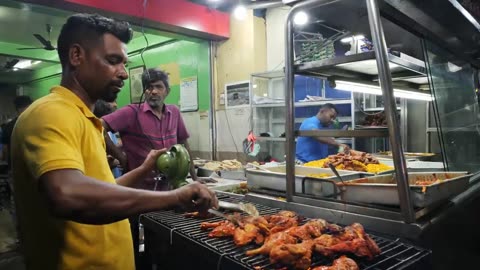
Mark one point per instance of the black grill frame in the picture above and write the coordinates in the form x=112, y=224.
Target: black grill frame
x=184, y=233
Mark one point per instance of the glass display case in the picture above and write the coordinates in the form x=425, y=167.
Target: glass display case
x=454, y=83
x=268, y=111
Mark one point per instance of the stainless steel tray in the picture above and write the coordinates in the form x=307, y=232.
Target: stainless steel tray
x=235, y=175
x=383, y=189
x=275, y=179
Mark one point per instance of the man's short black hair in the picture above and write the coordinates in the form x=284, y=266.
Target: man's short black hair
x=102, y=108
x=86, y=29
x=152, y=75
x=21, y=102
x=330, y=106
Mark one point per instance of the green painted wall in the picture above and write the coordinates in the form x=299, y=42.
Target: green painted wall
x=192, y=59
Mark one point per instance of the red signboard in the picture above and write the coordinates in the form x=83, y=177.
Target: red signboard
x=180, y=16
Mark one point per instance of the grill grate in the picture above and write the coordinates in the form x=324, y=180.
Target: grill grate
x=395, y=254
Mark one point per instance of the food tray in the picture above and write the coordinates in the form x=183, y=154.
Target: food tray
x=234, y=175
x=383, y=189
x=275, y=179
x=408, y=156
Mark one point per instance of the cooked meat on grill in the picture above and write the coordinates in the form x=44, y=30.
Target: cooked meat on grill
x=352, y=240
x=199, y=215
x=224, y=230
x=247, y=234
x=271, y=241
x=342, y=263
x=298, y=256
x=310, y=230
x=282, y=221
x=291, y=245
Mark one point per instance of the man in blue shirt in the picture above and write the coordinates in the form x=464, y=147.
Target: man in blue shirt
x=314, y=148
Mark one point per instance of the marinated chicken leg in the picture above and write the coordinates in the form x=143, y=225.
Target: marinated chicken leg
x=224, y=230
x=247, y=234
x=272, y=241
x=298, y=256
x=342, y=263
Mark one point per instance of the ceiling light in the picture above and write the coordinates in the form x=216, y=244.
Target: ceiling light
x=36, y=62
x=240, y=12
x=300, y=18
x=349, y=39
x=376, y=90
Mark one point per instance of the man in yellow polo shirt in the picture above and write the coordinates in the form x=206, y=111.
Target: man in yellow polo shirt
x=71, y=210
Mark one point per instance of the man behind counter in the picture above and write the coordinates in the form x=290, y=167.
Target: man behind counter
x=71, y=211
x=313, y=148
x=142, y=127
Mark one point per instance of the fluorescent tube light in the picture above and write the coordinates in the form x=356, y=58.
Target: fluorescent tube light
x=349, y=39
x=376, y=90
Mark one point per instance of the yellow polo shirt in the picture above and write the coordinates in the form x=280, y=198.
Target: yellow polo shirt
x=59, y=132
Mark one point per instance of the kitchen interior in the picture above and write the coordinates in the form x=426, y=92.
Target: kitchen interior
x=404, y=82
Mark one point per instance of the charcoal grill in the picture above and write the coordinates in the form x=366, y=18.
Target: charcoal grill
x=183, y=236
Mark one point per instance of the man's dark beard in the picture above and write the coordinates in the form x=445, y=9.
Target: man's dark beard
x=109, y=96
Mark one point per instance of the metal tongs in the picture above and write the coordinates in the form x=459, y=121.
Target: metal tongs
x=248, y=208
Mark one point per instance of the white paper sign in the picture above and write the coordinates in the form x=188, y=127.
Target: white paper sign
x=188, y=94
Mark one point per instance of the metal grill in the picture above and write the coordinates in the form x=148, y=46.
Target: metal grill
x=395, y=254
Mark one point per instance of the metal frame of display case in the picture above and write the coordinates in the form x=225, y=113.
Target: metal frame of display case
x=385, y=79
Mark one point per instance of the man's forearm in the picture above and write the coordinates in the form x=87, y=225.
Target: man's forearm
x=88, y=200
x=132, y=177
x=327, y=140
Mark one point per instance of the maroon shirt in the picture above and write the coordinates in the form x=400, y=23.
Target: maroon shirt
x=140, y=128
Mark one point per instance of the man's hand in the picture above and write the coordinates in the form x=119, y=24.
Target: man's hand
x=112, y=162
x=122, y=159
x=151, y=160
x=196, y=197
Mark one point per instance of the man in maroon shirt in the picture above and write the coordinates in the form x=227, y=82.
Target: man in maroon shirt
x=146, y=126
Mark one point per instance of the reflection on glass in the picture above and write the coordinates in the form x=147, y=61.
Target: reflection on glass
x=453, y=85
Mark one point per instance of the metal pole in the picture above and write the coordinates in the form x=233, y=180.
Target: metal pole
x=385, y=79
x=289, y=93
x=212, y=119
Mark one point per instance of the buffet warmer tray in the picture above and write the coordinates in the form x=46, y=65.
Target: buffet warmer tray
x=383, y=189
x=275, y=179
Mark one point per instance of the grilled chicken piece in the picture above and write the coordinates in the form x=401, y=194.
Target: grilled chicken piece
x=356, y=241
x=282, y=221
x=342, y=263
x=199, y=215
x=224, y=230
x=272, y=241
x=247, y=234
x=352, y=240
x=310, y=230
x=322, y=243
x=298, y=256
x=211, y=225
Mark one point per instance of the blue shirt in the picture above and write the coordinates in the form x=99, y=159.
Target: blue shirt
x=308, y=148
x=116, y=171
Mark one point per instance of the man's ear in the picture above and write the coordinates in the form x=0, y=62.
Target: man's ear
x=76, y=55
